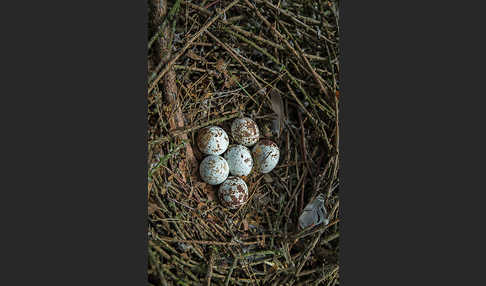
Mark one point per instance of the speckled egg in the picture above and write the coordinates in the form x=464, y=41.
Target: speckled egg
x=245, y=131
x=214, y=169
x=233, y=192
x=239, y=160
x=266, y=155
x=212, y=140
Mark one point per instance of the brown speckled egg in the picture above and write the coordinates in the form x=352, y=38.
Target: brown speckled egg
x=265, y=155
x=212, y=140
x=214, y=169
x=239, y=160
x=233, y=192
x=245, y=131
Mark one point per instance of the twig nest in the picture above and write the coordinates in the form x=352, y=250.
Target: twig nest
x=245, y=131
x=233, y=192
x=266, y=155
x=239, y=160
x=214, y=169
x=212, y=140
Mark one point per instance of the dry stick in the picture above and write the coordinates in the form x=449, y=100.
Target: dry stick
x=208, y=230
x=321, y=228
x=258, y=38
x=179, y=132
x=277, y=33
x=206, y=242
x=261, y=79
x=293, y=17
x=308, y=252
x=275, y=60
x=179, y=67
x=246, y=280
x=311, y=100
x=325, y=276
x=228, y=277
x=270, y=43
x=331, y=237
x=306, y=61
x=313, y=120
x=304, y=149
x=176, y=121
x=273, y=87
x=263, y=51
x=336, y=144
x=159, y=250
x=307, y=272
x=161, y=29
x=224, y=46
x=210, y=272
x=199, y=8
x=294, y=194
x=235, y=19
x=239, y=61
x=172, y=275
x=315, y=57
x=188, y=44
x=260, y=66
x=272, y=28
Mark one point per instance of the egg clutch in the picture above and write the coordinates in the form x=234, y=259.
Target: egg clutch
x=236, y=159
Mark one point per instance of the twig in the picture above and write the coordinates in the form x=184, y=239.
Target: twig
x=210, y=271
x=188, y=44
x=304, y=232
x=190, y=129
x=262, y=50
x=206, y=242
x=306, y=255
x=234, y=56
x=160, y=31
x=260, y=39
x=199, y=8
x=294, y=18
x=318, y=79
x=228, y=276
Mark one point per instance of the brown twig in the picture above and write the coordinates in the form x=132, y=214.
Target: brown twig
x=211, y=264
x=176, y=133
x=188, y=44
x=205, y=242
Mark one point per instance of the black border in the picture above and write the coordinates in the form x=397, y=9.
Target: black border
x=75, y=80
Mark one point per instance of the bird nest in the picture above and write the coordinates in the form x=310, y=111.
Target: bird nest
x=210, y=62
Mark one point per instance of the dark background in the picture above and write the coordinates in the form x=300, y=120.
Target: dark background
x=73, y=121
